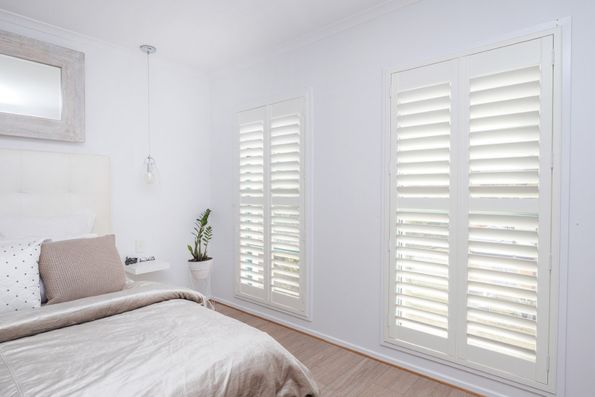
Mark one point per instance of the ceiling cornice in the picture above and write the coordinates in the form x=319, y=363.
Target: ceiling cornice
x=336, y=27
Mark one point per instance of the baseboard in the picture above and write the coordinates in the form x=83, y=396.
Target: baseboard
x=466, y=386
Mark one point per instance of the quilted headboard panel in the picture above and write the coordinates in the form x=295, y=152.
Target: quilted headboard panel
x=36, y=183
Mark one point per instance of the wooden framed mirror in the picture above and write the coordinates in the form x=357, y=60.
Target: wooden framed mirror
x=42, y=89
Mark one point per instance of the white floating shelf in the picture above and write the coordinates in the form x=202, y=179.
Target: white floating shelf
x=146, y=267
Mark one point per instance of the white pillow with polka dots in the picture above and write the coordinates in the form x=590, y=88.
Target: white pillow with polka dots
x=19, y=274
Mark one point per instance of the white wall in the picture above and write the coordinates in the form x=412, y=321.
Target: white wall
x=345, y=73
x=160, y=214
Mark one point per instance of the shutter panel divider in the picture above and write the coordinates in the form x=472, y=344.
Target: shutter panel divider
x=267, y=203
x=459, y=207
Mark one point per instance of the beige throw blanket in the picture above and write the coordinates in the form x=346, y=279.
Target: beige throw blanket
x=147, y=340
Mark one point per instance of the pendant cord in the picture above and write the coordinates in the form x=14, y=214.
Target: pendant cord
x=149, y=103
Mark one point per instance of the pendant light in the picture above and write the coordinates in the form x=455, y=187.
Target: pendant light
x=149, y=161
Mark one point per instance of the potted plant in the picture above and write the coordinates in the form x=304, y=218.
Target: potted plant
x=200, y=264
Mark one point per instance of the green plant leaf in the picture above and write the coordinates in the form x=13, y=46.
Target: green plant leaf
x=203, y=233
x=191, y=251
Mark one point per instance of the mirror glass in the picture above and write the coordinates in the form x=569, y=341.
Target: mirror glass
x=30, y=88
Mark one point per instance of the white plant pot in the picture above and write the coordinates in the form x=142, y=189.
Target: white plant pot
x=200, y=270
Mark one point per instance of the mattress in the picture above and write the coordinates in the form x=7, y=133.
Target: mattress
x=147, y=340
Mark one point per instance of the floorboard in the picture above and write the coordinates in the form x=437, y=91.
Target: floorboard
x=343, y=373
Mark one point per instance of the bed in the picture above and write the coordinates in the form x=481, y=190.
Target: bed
x=147, y=339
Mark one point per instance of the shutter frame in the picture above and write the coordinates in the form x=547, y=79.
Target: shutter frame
x=536, y=375
x=283, y=201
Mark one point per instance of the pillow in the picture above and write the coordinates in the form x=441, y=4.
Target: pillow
x=19, y=275
x=74, y=269
x=44, y=298
x=54, y=227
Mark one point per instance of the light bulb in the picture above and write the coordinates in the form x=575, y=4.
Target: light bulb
x=150, y=172
x=149, y=177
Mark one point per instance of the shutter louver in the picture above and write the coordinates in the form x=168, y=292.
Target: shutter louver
x=252, y=246
x=423, y=141
x=504, y=134
x=251, y=159
x=285, y=157
x=422, y=271
x=285, y=250
x=502, y=283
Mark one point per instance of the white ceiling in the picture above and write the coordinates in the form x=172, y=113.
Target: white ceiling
x=205, y=33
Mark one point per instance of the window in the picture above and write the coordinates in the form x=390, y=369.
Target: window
x=271, y=266
x=470, y=209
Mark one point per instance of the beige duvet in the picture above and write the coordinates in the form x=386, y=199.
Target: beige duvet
x=147, y=340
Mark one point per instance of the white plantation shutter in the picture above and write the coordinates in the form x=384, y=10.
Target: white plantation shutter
x=509, y=121
x=420, y=206
x=287, y=209
x=252, y=275
x=470, y=226
x=274, y=270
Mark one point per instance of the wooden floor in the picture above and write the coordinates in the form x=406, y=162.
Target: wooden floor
x=341, y=372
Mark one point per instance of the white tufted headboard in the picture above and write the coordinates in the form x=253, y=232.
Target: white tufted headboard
x=48, y=184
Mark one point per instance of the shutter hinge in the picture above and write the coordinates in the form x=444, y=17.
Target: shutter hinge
x=550, y=262
x=553, y=57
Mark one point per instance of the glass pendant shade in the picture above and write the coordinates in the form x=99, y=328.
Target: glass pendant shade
x=150, y=170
